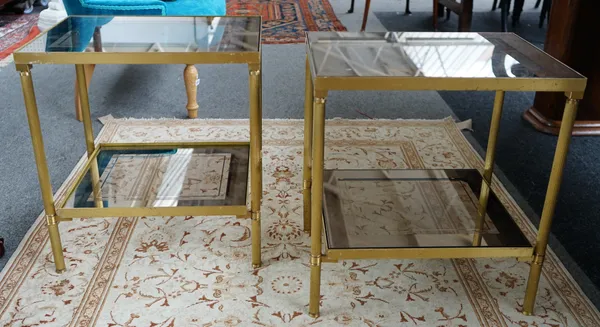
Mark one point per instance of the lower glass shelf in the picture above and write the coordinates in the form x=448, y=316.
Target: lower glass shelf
x=161, y=176
x=404, y=209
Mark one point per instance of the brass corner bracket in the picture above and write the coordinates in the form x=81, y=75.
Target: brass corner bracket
x=51, y=220
x=315, y=260
x=255, y=215
x=307, y=184
x=538, y=259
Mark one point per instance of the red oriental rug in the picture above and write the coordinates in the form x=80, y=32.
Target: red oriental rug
x=16, y=30
x=287, y=21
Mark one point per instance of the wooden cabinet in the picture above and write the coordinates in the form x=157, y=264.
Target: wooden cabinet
x=573, y=38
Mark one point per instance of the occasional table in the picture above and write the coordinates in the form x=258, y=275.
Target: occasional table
x=151, y=179
x=370, y=213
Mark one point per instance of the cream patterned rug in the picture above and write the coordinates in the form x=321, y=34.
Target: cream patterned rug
x=195, y=271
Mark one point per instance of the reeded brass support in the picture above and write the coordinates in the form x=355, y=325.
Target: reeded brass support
x=88, y=132
x=488, y=169
x=55, y=243
x=37, y=141
x=558, y=164
x=255, y=99
x=318, y=156
x=308, y=139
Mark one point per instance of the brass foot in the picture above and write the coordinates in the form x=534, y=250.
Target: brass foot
x=313, y=315
x=527, y=313
x=256, y=266
x=60, y=271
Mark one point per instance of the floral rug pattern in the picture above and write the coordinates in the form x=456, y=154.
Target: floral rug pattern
x=16, y=30
x=287, y=21
x=196, y=271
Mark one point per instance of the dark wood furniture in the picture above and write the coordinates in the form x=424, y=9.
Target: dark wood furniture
x=573, y=39
x=366, y=12
x=463, y=9
x=545, y=11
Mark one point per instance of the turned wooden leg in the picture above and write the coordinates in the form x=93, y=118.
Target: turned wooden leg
x=190, y=77
x=365, y=16
x=89, y=70
x=436, y=13
x=351, y=10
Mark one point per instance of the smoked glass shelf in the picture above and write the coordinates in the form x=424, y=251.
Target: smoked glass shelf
x=193, y=178
x=414, y=209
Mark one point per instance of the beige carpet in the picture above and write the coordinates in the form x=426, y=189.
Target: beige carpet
x=195, y=271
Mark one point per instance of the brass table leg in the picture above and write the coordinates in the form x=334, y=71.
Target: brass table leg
x=190, y=77
x=82, y=84
x=560, y=157
x=89, y=71
x=308, y=126
x=488, y=168
x=255, y=159
x=42, y=166
x=317, y=198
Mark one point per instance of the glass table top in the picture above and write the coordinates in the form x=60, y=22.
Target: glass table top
x=411, y=208
x=199, y=176
x=431, y=54
x=127, y=34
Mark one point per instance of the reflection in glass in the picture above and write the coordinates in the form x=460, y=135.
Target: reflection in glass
x=150, y=34
x=201, y=176
x=426, y=54
x=411, y=208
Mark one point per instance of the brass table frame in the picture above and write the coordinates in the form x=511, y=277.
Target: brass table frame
x=316, y=90
x=55, y=213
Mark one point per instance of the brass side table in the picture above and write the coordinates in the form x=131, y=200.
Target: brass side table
x=336, y=201
x=151, y=179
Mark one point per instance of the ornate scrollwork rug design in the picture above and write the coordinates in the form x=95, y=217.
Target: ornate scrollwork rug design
x=196, y=271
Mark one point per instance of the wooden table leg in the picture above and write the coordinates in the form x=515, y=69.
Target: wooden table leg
x=365, y=16
x=436, y=12
x=517, y=10
x=466, y=16
x=190, y=77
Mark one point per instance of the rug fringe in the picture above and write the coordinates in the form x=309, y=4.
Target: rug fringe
x=107, y=118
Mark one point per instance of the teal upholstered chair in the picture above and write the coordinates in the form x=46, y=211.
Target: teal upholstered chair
x=143, y=8
x=146, y=7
